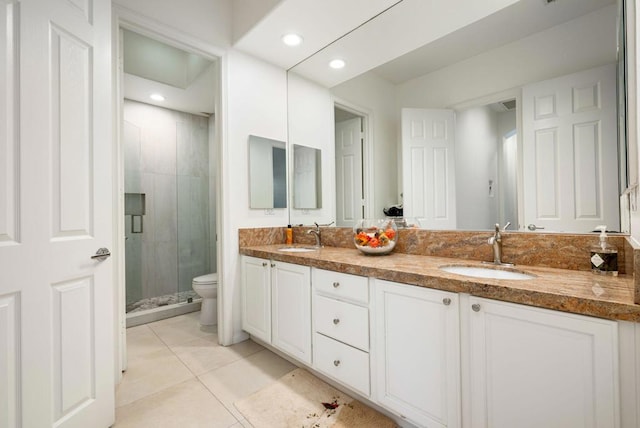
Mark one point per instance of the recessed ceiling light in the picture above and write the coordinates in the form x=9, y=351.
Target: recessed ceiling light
x=156, y=97
x=337, y=63
x=292, y=39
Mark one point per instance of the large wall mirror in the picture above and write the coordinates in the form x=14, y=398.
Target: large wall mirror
x=267, y=173
x=532, y=99
x=307, y=177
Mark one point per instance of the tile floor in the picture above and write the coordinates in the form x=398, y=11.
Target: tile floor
x=178, y=376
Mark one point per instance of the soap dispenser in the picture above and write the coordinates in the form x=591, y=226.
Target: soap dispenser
x=604, y=256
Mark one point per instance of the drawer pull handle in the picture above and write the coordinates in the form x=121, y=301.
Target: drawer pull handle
x=475, y=307
x=446, y=301
x=336, y=321
x=264, y=264
x=336, y=284
x=273, y=265
x=336, y=363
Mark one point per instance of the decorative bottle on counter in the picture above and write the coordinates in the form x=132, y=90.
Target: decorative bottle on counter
x=289, y=232
x=604, y=256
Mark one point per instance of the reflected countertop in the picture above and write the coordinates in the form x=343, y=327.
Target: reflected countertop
x=579, y=292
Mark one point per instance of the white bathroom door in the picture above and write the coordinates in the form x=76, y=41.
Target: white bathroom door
x=56, y=302
x=570, y=152
x=428, y=167
x=349, y=187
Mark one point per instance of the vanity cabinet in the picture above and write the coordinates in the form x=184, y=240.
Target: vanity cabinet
x=256, y=297
x=417, y=335
x=530, y=367
x=341, y=328
x=276, y=305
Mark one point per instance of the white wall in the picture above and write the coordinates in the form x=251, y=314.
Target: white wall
x=378, y=97
x=207, y=20
x=256, y=103
x=476, y=163
x=311, y=124
x=582, y=43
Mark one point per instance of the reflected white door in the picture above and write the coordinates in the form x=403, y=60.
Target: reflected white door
x=56, y=303
x=349, y=190
x=428, y=167
x=570, y=152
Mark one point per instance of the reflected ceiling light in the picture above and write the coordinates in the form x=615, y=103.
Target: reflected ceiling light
x=156, y=97
x=292, y=39
x=337, y=64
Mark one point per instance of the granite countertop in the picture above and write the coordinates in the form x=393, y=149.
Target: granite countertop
x=564, y=290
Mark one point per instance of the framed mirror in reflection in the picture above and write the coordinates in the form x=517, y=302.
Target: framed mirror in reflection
x=527, y=146
x=307, y=177
x=267, y=173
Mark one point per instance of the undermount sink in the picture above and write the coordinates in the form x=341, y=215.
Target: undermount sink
x=486, y=272
x=297, y=249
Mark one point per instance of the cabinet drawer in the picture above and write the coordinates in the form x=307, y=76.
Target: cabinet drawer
x=348, y=365
x=343, y=321
x=341, y=285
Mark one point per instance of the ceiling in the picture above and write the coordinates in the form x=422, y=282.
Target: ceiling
x=186, y=80
x=318, y=22
x=409, y=39
x=398, y=39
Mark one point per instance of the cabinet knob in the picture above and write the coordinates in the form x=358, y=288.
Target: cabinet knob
x=264, y=264
x=475, y=307
x=446, y=301
x=336, y=284
x=273, y=265
x=336, y=321
x=336, y=363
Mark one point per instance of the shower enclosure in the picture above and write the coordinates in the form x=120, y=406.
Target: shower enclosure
x=169, y=205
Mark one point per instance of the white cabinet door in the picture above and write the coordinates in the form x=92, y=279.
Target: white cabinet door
x=256, y=297
x=532, y=368
x=417, y=353
x=291, y=309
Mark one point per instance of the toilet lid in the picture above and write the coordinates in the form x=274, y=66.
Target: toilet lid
x=210, y=278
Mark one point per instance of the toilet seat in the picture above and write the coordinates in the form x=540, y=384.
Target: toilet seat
x=208, y=279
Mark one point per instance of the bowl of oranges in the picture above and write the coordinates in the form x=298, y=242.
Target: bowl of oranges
x=375, y=236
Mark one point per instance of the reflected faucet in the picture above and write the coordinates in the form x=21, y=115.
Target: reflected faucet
x=496, y=242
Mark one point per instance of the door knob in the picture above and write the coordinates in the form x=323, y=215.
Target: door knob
x=102, y=254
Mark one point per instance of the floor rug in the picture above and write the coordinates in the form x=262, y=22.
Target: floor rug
x=300, y=399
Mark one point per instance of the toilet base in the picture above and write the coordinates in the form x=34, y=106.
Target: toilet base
x=209, y=311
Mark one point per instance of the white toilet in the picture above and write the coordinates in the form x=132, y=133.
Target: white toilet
x=207, y=287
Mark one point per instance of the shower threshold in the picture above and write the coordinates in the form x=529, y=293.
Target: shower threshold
x=143, y=314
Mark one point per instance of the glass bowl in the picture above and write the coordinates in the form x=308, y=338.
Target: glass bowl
x=375, y=236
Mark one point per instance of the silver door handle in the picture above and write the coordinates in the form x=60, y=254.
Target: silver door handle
x=102, y=254
x=534, y=227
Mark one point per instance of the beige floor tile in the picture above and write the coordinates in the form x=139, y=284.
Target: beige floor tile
x=244, y=377
x=203, y=355
x=181, y=329
x=150, y=373
x=142, y=340
x=243, y=424
x=186, y=405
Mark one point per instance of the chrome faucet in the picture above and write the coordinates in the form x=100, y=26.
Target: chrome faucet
x=496, y=242
x=316, y=234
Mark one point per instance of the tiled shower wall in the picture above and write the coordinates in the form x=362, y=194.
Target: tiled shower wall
x=167, y=158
